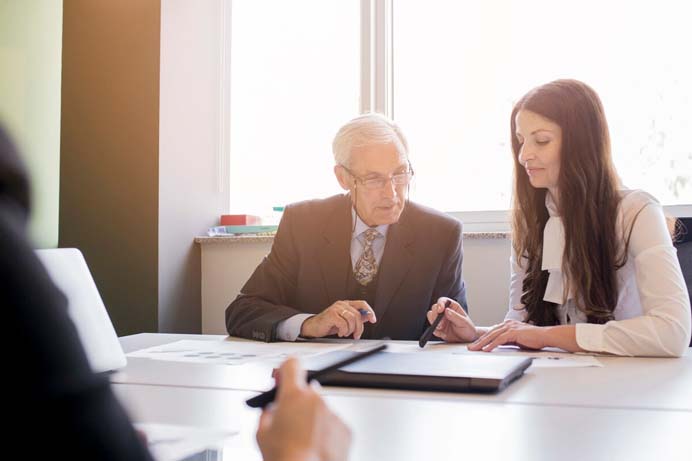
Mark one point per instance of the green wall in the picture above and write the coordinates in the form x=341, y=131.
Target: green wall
x=30, y=80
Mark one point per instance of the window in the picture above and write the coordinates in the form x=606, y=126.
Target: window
x=459, y=67
x=449, y=73
x=295, y=78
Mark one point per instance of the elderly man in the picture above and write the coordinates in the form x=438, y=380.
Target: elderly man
x=366, y=264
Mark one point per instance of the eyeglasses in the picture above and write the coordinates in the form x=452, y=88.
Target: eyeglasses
x=378, y=182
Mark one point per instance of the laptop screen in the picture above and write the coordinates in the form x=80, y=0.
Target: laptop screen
x=69, y=271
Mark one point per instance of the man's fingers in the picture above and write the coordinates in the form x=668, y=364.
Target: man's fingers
x=337, y=318
x=367, y=314
x=341, y=325
x=355, y=318
x=359, y=329
x=351, y=320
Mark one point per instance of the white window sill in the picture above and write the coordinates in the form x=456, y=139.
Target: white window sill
x=232, y=239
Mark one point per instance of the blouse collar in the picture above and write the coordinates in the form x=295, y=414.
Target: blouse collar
x=553, y=250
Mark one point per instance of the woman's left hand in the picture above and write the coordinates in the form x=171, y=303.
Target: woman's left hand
x=511, y=332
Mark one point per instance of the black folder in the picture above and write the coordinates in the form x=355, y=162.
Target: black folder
x=423, y=371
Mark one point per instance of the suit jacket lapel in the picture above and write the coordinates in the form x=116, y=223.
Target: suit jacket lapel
x=396, y=262
x=334, y=255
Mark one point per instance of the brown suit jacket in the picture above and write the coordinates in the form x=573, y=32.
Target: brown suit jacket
x=309, y=265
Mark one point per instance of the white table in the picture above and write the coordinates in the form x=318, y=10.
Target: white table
x=630, y=409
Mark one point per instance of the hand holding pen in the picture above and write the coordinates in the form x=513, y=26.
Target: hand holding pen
x=300, y=425
x=343, y=318
x=455, y=326
x=427, y=334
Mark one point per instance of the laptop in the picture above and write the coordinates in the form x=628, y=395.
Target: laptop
x=480, y=372
x=70, y=273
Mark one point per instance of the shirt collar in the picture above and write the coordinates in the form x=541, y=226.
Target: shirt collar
x=362, y=227
x=551, y=205
x=553, y=250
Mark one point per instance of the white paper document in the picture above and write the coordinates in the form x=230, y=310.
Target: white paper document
x=575, y=361
x=174, y=443
x=546, y=358
x=552, y=357
x=234, y=352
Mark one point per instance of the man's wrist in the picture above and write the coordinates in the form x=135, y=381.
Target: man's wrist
x=304, y=328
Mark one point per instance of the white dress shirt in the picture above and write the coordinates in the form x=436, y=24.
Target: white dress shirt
x=289, y=329
x=652, y=315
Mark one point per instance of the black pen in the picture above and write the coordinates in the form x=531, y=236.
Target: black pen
x=429, y=331
x=265, y=398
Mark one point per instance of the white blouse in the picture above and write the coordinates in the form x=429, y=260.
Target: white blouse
x=652, y=316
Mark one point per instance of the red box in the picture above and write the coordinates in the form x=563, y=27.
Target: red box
x=240, y=220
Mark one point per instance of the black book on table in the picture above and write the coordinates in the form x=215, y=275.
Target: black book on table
x=424, y=371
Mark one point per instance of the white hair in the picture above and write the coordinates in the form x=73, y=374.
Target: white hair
x=366, y=130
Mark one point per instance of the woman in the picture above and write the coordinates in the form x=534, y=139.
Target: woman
x=593, y=265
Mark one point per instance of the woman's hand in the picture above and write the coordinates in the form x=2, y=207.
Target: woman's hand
x=514, y=333
x=456, y=326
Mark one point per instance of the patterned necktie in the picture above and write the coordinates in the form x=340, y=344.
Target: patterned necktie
x=366, y=266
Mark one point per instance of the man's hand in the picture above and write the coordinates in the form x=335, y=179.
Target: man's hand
x=299, y=426
x=343, y=318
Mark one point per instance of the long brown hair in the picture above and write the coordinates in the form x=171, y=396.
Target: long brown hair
x=588, y=205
